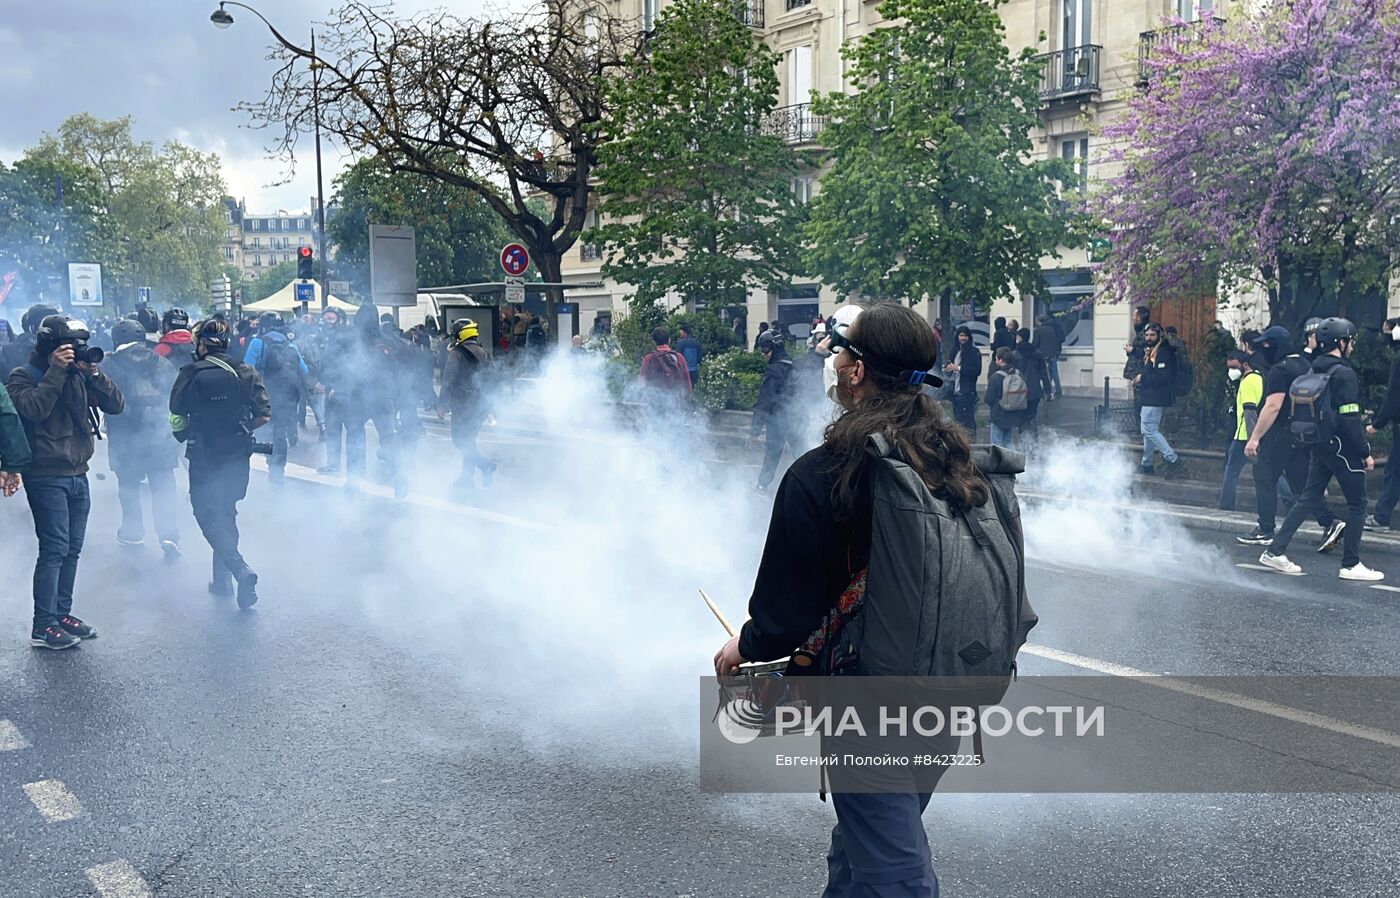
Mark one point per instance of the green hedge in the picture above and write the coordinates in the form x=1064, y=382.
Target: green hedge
x=730, y=380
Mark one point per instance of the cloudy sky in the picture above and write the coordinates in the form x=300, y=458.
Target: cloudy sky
x=163, y=63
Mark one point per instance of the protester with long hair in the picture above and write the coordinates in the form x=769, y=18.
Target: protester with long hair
x=820, y=539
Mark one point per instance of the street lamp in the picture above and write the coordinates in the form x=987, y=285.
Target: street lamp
x=222, y=18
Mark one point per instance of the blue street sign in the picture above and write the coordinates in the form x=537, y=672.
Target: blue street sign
x=306, y=293
x=143, y=295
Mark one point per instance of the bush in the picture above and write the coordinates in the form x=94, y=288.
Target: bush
x=1209, y=409
x=730, y=380
x=715, y=335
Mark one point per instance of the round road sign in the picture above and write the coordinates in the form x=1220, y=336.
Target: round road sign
x=515, y=259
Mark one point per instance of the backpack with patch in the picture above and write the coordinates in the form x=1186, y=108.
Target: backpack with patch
x=222, y=407
x=1015, y=392
x=1312, y=419
x=145, y=394
x=280, y=364
x=945, y=590
x=668, y=370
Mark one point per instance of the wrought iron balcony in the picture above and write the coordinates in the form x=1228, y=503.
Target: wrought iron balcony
x=750, y=12
x=1071, y=73
x=590, y=252
x=1171, y=36
x=795, y=124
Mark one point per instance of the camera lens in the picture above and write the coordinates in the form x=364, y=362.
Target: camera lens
x=93, y=355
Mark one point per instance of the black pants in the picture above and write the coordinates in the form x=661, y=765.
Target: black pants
x=781, y=434
x=965, y=411
x=1282, y=459
x=466, y=426
x=216, y=486
x=284, y=426
x=1327, y=463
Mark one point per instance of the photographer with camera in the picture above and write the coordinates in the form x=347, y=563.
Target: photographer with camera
x=215, y=406
x=58, y=394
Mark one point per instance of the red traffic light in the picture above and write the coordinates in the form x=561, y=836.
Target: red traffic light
x=305, y=252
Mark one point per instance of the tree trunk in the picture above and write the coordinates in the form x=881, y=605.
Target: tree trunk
x=549, y=261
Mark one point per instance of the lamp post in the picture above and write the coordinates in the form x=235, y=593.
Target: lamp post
x=223, y=19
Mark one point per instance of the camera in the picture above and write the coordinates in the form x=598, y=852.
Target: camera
x=82, y=352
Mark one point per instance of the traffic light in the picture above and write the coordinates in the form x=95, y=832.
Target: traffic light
x=304, y=263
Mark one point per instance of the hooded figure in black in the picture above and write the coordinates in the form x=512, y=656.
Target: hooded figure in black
x=216, y=404
x=776, y=409
x=359, y=377
x=1270, y=445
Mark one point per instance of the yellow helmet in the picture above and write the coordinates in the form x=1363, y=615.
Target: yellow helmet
x=465, y=329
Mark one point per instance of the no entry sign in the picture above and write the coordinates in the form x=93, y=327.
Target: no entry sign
x=514, y=260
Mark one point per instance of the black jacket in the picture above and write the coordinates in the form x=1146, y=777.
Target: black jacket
x=774, y=406
x=969, y=362
x=1344, y=394
x=1031, y=364
x=208, y=403
x=55, y=410
x=809, y=558
x=1048, y=340
x=1003, y=337
x=1389, y=412
x=1158, y=379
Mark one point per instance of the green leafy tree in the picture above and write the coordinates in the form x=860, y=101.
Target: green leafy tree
x=698, y=200
x=458, y=235
x=51, y=211
x=163, y=205
x=933, y=190
x=270, y=280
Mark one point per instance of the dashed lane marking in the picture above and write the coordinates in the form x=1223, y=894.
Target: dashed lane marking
x=118, y=879
x=10, y=737
x=1220, y=696
x=1269, y=570
x=1386, y=588
x=53, y=800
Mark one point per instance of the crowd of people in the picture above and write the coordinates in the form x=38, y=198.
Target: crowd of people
x=150, y=385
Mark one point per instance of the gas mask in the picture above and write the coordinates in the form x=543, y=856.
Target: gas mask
x=844, y=316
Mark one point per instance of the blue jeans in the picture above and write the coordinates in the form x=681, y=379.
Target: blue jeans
x=1390, y=490
x=1055, y=376
x=60, y=506
x=1004, y=438
x=1152, y=438
x=1234, y=465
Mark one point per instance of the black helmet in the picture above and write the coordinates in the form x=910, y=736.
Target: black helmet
x=270, y=321
x=214, y=334
x=1310, y=326
x=174, y=320
x=57, y=330
x=128, y=331
x=766, y=342
x=1330, y=331
x=34, y=315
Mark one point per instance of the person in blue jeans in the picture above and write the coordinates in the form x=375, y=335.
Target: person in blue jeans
x=1155, y=390
x=56, y=394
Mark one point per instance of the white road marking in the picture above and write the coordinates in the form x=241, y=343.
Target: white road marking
x=118, y=879
x=301, y=472
x=1269, y=570
x=10, y=737
x=53, y=800
x=1386, y=588
x=1220, y=696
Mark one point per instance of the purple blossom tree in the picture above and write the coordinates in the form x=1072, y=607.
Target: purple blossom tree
x=1265, y=152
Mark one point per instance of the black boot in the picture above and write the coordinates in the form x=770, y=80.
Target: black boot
x=247, y=589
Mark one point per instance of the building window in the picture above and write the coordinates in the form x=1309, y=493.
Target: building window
x=1077, y=30
x=1194, y=10
x=802, y=188
x=649, y=9
x=301, y=224
x=252, y=224
x=257, y=260
x=1075, y=151
x=799, y=75
x=1069, y=296
x=286, y=224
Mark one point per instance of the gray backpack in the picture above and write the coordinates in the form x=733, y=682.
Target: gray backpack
x=945, y=591
x=1015, y=393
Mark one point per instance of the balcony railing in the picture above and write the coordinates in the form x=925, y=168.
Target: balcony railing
x=1071, y=73
x=750, y=12
x=590, y=252
x=795, y=124
x=1171, y=36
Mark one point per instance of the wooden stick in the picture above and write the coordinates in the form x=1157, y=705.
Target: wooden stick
x=724, y=622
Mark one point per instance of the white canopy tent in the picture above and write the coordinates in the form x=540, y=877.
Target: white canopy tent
x=285, y=300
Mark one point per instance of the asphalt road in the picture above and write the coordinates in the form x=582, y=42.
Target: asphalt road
x=499, y=699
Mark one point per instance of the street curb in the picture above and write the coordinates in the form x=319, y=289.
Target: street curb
x=1217, y=521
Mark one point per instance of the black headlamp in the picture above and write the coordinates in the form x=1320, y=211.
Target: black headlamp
x=838, y=341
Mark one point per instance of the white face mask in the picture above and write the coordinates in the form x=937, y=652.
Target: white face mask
x=1235, y=373
x=1395, y=333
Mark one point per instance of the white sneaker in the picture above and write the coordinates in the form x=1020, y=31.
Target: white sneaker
x=1360, y=572
x=1280, y=563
